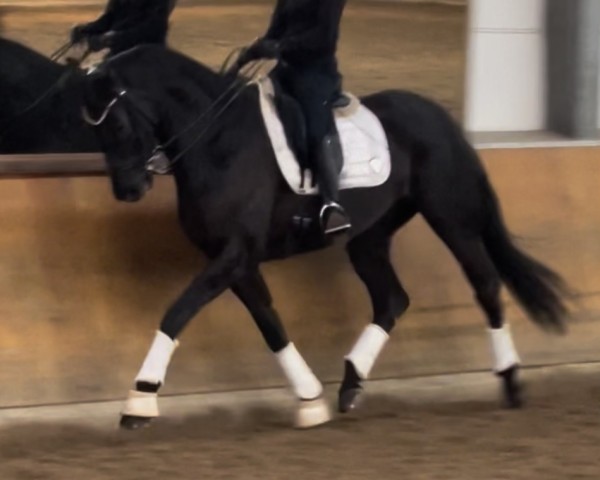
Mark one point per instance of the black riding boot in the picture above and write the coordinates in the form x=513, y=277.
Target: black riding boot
x=332, y=216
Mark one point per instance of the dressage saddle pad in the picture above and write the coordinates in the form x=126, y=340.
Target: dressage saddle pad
x=364, y=145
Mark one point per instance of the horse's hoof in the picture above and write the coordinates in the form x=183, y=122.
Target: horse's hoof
x=350, y=394
x=132, y=422
x=350, y=399
x=513, y=391
x=312, y=413
x=513, y=397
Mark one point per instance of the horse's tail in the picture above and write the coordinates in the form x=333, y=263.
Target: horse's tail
x=537, y=288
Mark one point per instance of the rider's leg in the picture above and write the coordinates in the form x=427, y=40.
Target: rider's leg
x=313, y=91
x=330, y=159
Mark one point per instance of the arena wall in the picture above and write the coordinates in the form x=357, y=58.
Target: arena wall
x=84, y=281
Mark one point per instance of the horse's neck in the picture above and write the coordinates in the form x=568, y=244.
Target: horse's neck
x=198, y=103
x=25, y=73
x=211, y=84
x=13, y=53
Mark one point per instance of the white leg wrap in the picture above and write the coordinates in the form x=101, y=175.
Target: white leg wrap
x=141, y=404
x=300, y=377
x=367, y=349
x=155, y=365
x=503, y=349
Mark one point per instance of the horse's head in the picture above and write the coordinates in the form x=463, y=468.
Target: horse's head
x=146, y=96
x=126, y=123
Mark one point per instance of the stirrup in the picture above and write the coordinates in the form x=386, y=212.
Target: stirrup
x=327, y=210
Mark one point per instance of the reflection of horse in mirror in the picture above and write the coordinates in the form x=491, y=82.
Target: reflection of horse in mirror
x=235, y=205
x=39, y=114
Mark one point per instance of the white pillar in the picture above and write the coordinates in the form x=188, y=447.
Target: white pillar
x=506, y=66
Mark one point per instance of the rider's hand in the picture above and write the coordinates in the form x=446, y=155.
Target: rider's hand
x=95, y=43
x=109, y=38
x=261, y=48
x=77, y=34
x=100, y=42
x=265, y=48
x=270, y=49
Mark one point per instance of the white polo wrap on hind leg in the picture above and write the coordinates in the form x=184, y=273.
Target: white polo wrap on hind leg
x=303, y=381
x=154, y=368
x=503, y=349
x=367, y=349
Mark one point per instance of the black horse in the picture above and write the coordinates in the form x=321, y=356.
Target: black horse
x=40, y=104
x=235, y=206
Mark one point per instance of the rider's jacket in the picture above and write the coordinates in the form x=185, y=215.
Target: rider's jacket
x=307, y=30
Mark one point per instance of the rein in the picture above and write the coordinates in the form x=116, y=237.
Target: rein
x=61, y=51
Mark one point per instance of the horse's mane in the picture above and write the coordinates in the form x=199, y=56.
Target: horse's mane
x=13, y=50
x=22, y=66
x=30, y=96
x=168, y=64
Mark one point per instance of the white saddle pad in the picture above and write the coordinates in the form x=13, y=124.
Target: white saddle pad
x=364, y=145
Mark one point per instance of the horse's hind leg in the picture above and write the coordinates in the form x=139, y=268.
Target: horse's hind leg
x=370, y=256
x=254, y=294
x=470, y=251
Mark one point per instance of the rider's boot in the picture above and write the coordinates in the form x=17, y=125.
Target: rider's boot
x=333, y=217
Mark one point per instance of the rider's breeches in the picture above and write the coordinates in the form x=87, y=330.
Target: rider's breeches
x=313, y=89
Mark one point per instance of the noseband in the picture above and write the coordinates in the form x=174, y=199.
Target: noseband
x=95, y=123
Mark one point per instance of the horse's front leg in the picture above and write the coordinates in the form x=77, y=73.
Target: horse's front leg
x=312, y=409
x=221, y=272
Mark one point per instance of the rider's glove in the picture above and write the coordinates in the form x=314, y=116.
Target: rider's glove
x=100, y=42
x=78, y=34
x=266, y=48
x=261, y=48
